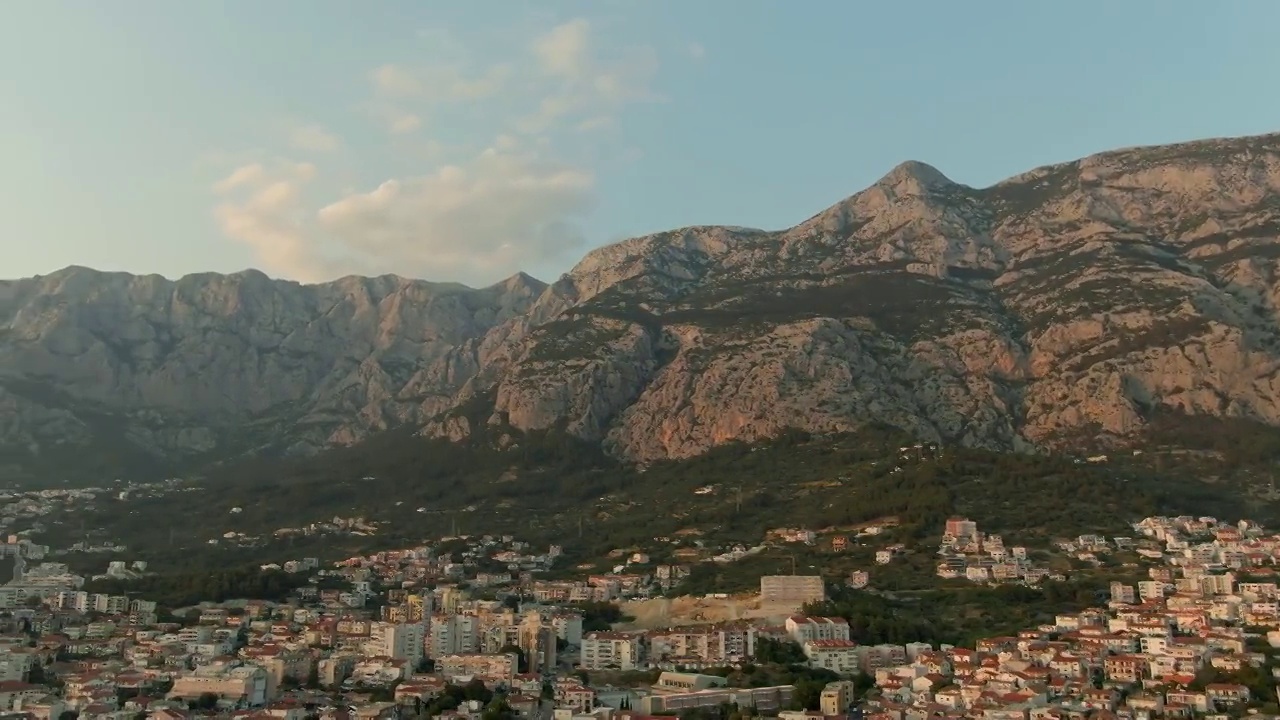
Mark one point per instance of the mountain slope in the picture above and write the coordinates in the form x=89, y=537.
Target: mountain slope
x=1071, y=303
x=210, y=366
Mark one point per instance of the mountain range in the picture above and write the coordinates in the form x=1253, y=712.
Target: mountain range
x=1062, y=307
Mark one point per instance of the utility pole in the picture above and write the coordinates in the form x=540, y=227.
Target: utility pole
x=739, y=505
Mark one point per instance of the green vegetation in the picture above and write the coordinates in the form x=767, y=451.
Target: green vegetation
x=599, y=616
x=1261, y=684
x=496, y=707
x=550, y=488
x=784, y=663
x=109, y=454
x=958, y=615
x=182, y=589
x=1165, y=333
x=575, y=337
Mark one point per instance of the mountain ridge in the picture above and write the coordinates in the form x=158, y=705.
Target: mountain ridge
x=1069, y=301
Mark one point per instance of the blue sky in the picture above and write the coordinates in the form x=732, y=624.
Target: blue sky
x=467, y=140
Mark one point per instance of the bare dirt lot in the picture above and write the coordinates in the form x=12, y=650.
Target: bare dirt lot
x=674, y=612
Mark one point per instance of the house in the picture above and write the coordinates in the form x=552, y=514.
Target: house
x=1125, y=668
x=1224, y=695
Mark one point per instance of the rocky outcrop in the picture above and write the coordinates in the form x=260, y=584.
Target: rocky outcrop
x=1071, y=301
x=210, y=366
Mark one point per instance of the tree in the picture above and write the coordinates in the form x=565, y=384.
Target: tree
x=498, y=709
x=599, y=616
x=383, y=694
x=477, y=690
x=862, y=682
x=313, y=677
x=808, y=693
x=783, y=652
x=522, y=662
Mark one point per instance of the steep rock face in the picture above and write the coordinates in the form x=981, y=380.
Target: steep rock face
x=1071, y=301
x=220, y=364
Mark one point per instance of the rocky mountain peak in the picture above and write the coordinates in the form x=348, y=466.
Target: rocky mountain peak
x=1073, y=301
x=908, y=193
x=914, y=178
x=521, y=283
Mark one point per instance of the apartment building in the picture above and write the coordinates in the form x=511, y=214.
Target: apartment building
x=839, y=656
x=401, y=641
x=804, y=628
x=792, y=589
x=611, y=651
x=836, y=698
x=707, y=644
x=453, y=635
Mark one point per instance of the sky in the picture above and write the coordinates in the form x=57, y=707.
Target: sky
x=466, y=141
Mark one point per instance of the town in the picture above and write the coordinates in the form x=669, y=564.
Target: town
x=465, y=628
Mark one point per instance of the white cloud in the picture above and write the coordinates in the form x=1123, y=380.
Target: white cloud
x=510, y=185
x=402, y=123
x=563, y=51
x=393, y=118
x=396, y=81
x=262, y=208
x=596, y=123
x=452, y=84
x=313, y=138
x=566, y=79
x=499, y=213
x=251, y=174
x=586, y=87
x=441, y=82
x=697, y=51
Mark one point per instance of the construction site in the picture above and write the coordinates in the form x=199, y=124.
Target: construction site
x=660, y=613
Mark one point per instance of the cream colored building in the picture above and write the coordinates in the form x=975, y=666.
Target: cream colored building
x=499, y=665
x=836, y=698
x=247, y=683
x=792, y=589
x=610, y=651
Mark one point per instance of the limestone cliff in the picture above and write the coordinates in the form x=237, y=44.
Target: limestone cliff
x=212, y=366
x=1069, y=302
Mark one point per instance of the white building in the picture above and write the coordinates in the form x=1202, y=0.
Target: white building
x=838, y=656
x=610, y=651
x=803, y=628
x=401, y=641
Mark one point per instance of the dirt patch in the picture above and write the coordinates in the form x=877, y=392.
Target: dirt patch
x=674, y=612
